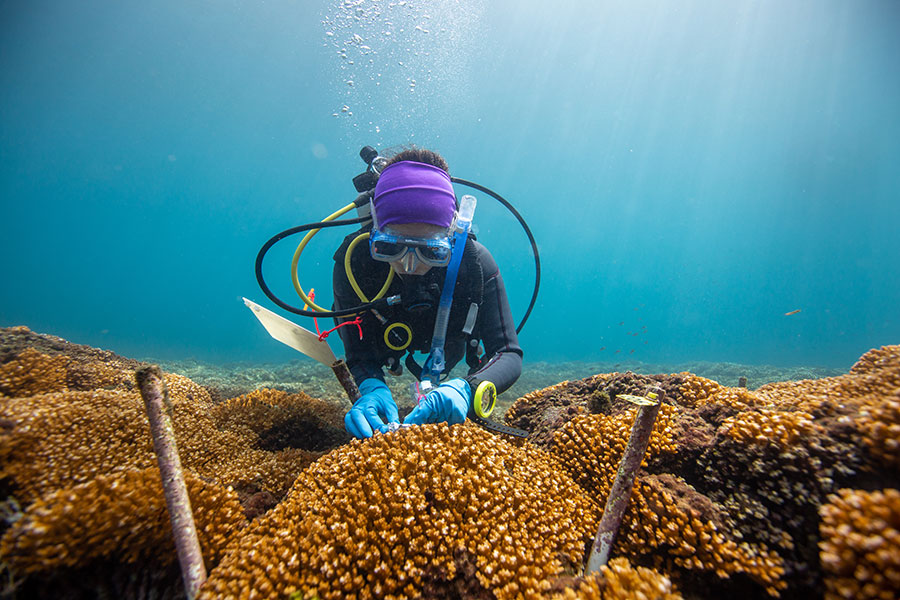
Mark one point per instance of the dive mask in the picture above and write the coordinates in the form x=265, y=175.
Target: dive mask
x=434, y=251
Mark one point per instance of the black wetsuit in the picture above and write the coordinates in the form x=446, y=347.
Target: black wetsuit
x=478, y=282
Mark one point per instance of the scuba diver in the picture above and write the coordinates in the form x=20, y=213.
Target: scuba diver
x=413, y=278
x=418, y=250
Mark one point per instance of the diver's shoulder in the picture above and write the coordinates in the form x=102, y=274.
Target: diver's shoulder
x=488, y=264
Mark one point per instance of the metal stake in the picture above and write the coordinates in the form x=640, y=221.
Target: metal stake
x=156, y=401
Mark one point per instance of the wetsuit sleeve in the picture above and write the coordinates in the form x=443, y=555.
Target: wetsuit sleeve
x=360, y=354
x=502, y=363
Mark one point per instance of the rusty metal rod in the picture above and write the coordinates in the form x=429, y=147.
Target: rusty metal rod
x=153, y=391
x=343, y=374
x=620, y=493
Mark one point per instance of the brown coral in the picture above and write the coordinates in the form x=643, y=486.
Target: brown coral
x=769, y=427
x=411, y=513
x=860, y=547
x=879, y=424
x=590, y=447
x=57, y=440
x=656, y=521
x=277, y=419
x=619, y=580
x=33, y=373
x=696, y=390
x=120, y=516
x=699, y=391
x=61, y=439
x=544, y=412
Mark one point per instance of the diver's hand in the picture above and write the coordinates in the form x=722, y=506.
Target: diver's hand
x=447, y=402
x=374, y=409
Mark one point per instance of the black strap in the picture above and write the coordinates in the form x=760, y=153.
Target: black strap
x=498, y=427
x=413, y=367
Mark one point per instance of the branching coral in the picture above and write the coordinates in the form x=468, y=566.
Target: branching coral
x=699, y=391
x=65, y=438
x=444, y=511
x=122, y=516
x=696, y=390
x=656, y=522
x=619, y=580
x=33, y=373
x=769, y=427
x=877, y=373
x=590, y=447
x=57, y=440
x=860, y=547
x=411, y=513
x=278, y=419
x=879, y=425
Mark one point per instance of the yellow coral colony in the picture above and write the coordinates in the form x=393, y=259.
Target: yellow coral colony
x=432, y=510
x=590, y=448
x=120, y=516
x=619, y=580
x=860, y=547
x=427, y=507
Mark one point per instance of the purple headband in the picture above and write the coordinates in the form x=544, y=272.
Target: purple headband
x=414, y=192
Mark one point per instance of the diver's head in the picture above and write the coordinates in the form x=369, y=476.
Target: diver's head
x=413, y=207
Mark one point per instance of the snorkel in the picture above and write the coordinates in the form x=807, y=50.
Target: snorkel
x=435, y=363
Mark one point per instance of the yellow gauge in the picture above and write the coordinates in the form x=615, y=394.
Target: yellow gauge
x=485, y=399
x=398, y=336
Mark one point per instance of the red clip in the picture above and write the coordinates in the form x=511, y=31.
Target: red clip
x=357, y=321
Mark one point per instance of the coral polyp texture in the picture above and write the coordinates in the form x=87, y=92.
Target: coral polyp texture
x=619, y=580
x=435, y=511
x=748, y=470
x=860, y=547
x=122, y=515
x=788, y=490
x=590, y=447
x=277, y=419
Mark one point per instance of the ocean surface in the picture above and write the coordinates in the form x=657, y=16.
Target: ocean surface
x=706, y=181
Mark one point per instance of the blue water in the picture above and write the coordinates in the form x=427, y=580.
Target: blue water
x=692, y=171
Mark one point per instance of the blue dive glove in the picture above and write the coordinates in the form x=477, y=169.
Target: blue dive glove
x=374, y=409
x=447, y=402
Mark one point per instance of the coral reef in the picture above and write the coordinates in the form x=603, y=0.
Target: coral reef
x=74, y=440
x=60, y=439
x=861, y=544
x=279, y=420
x=543, y=412
x=122, y=515
x=619, y=580
x=432, y=511
x=787, y=489
x=236, y=379
x=758, y=463
x=673, y=532
x=590, y=447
